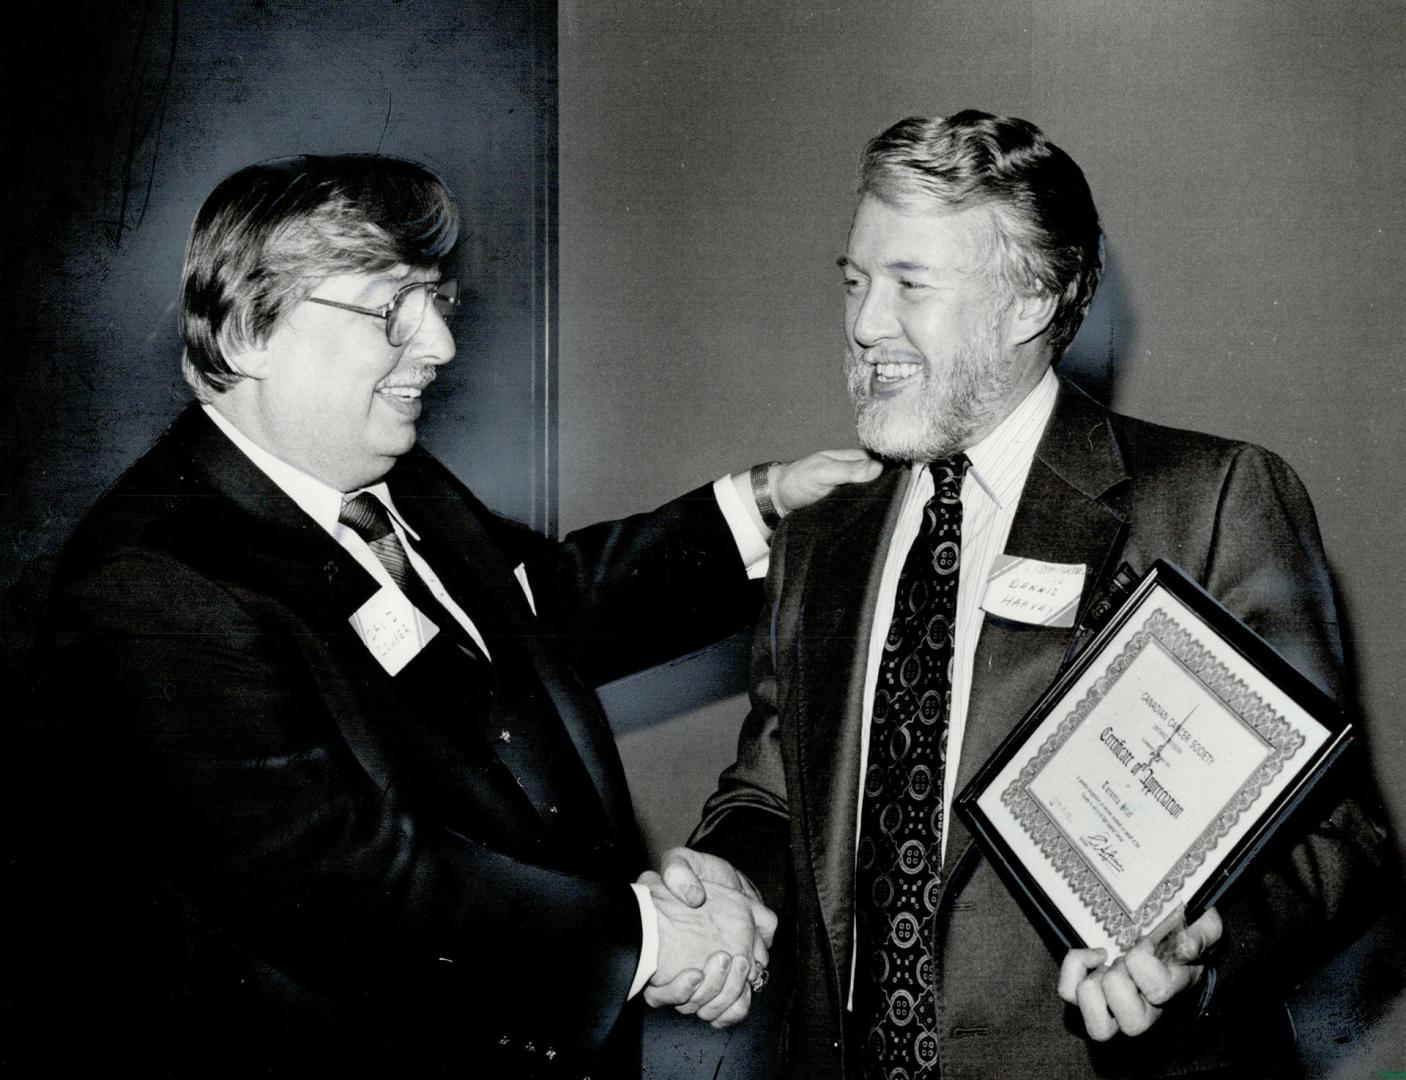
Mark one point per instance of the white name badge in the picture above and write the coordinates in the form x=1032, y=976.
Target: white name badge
x=392, y=628
x=1035, y=592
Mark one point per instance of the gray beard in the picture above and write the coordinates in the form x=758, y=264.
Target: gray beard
x=939, y=418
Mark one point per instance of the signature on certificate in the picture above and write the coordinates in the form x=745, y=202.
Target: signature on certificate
x=1100, y=846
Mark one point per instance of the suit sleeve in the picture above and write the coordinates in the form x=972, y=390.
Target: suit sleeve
x=747, y=820
x=214, y=769
x=1314, y=886
x=626, y=595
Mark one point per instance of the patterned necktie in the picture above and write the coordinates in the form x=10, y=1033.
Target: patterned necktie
x=898, y=866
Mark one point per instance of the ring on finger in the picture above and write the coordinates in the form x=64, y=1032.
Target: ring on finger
x=758, y=979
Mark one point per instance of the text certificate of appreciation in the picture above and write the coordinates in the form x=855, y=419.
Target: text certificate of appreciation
x=1153, y=769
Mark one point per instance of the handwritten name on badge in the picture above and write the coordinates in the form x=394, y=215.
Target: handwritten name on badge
x=392, y=628
x=1035, y=592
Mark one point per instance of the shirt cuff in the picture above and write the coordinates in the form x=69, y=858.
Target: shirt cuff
x=649, y=940
x=751, y=542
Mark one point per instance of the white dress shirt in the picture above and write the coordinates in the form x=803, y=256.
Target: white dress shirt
x=323, y=504
x=999, y=465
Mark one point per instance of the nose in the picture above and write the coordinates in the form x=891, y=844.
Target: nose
x=433, y=342
x=871, y=316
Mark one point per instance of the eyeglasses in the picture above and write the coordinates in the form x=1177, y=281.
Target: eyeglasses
x=406, y=311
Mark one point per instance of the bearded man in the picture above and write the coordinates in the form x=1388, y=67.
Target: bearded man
x=880, y=685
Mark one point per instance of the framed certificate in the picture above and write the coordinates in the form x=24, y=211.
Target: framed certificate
x=1153, y=769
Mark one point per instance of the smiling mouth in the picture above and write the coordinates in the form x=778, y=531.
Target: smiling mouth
x=890, y=377
x=407, y=388
x=891, y=372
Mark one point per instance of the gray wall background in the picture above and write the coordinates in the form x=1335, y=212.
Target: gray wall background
x=1248, y=163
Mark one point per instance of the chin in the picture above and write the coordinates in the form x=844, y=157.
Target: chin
x=903, y=434
x=393, y=441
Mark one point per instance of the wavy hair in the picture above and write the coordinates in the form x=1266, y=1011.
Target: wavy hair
x=1047, y=234
x=269, y=234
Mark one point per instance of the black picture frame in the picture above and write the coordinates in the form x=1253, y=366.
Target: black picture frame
x=1237, y=645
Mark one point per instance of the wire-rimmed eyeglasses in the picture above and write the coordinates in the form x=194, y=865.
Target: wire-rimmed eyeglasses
x=406, y=311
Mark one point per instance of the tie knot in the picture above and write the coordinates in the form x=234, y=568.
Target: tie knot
x=947, y=475
x=365, y=516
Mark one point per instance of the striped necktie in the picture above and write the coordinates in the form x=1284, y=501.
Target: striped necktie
x=366, y=517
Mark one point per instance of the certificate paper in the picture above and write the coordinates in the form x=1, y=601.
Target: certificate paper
x=1151, y=771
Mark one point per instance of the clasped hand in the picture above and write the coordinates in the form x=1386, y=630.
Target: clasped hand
x=714, y=932
x=1129, y=995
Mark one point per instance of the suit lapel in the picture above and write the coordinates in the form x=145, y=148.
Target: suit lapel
x=473, y=570
x=834, y=625
x=306, y=580
x=1064, y=516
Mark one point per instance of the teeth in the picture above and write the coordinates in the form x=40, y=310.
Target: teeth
x=891, y=372
x=420, y=378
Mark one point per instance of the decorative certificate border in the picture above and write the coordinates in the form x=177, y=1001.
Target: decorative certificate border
x=1282, y=738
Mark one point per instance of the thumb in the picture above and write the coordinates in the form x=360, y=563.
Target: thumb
x=1200, y=936
x=861, y=470
x=680, y=879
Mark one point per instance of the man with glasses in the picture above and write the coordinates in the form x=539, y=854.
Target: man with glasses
x=341, y=774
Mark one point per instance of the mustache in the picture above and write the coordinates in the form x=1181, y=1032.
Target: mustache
x=883, y=354
x=415, y=379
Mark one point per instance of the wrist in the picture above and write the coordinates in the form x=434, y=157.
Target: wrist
x=649, y=940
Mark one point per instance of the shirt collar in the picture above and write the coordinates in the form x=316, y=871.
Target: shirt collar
x=1001, y=461
x=321, y=502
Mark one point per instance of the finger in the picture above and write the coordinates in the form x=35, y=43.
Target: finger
x=765, y=920
x=674, y=992
x=649, y=878
x=1131, y=1011
x=1098, y=1021
x=1155, y=981
x=865, y=468
x=848, y=453
x=829, y=470
x=737, y=1011
x=760, y=954
x=1077, y=964
x=1201, y=935
x=680, y=879
x=732, y=989
x=715, y=972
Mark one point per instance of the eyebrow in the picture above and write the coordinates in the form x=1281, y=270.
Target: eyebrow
x=907, y=267
x=398, y=280
x=376, y=282
x=900, y=266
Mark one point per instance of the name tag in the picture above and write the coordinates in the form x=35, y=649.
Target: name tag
x=392, y=628
x=1035, y=592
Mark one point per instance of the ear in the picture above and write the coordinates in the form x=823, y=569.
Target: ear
x=1030, y=317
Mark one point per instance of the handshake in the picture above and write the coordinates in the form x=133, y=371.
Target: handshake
x=714, y=932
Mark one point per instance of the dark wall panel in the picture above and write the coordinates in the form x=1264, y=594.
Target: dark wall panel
x=120, y=118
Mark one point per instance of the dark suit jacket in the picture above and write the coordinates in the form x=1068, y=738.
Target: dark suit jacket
x=317, y=867
x=1103, y=489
